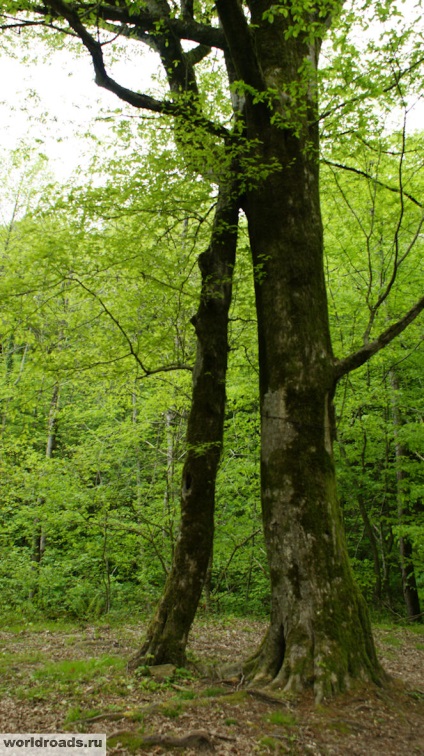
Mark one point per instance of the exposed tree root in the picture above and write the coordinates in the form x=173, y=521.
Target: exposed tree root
x=266, y=697
x=197, y=739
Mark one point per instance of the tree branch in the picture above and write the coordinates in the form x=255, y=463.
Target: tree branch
x=147, y=372
x=240, y=42
x=17, y=24
x=236, y=547
x=366, y=95
x=147, y=20
x=198, y=54
x=359, y=358
x=359, y=172
x=137, y=100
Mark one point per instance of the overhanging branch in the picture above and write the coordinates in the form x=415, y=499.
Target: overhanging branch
x=136, y=99
x=147, y=21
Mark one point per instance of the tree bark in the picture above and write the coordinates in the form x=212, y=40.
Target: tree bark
x=319, y=634
x=167, y=634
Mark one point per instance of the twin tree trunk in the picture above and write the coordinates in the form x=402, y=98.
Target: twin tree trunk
x=319, y=635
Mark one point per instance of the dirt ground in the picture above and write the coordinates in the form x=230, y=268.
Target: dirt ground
x=74, y=679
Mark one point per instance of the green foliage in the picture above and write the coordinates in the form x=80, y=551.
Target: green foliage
x=99, y=283
x=105, y=503
x=374, y=247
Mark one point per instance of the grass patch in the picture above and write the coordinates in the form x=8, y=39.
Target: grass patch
x=181, y=673
x=267, y=744
x=150, y=685
x=76, y=714
x=12, y=670
x=418, y=695
x=36, y=693
x=12, y=660
x=24, y=626
x=132, y=742
x=392, y=640
x=416, y=627
x=186, y=695
x=213, y=692
x=235, y=698
x=80, y=670
x=284, y=718
x=172, y=711
x=341, y=727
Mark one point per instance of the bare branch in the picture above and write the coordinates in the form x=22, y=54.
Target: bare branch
x=359, y=358
x=359, y=172
x=147, y=372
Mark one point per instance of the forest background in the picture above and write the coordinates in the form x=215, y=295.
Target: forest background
x=99, y=283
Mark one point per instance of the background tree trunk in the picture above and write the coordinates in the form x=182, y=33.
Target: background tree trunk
x=39, y=535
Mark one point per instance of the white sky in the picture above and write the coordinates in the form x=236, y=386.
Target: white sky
x=53, y=105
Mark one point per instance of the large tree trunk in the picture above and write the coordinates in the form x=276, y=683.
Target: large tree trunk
x=320, y=634
x=168, y=631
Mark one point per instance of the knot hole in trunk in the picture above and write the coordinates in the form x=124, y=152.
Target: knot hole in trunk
x=187, y=483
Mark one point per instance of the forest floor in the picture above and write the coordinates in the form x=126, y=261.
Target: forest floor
x=73, y=679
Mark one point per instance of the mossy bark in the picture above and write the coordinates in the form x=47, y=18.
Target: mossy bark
x=167, y=634
x=319, y=635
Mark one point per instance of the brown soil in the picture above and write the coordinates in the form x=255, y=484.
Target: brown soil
x=193, y=714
